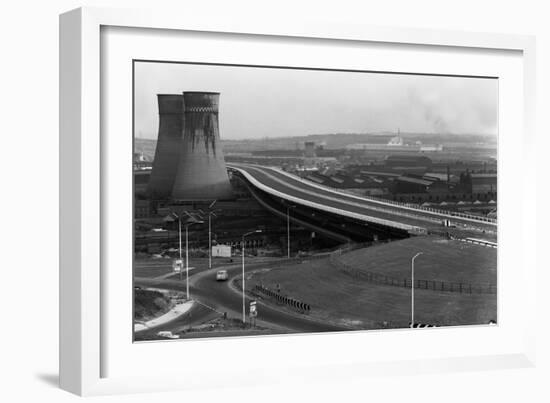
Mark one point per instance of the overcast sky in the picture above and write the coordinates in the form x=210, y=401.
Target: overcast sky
x=271, y=102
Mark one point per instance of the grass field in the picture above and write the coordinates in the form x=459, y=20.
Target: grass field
x=442, y=260
x=340, y=298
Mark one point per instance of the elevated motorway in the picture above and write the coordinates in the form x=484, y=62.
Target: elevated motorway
x=398, y=219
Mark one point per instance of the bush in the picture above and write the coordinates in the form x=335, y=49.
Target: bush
x=149, y=304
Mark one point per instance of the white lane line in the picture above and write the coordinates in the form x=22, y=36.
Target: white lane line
x=350, y=203
x=319, y=206
x=377, y=201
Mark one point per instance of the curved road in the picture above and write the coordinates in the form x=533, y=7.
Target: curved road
x=387, y=213
x=218, y=295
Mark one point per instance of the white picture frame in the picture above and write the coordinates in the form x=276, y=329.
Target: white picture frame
x=83, y=305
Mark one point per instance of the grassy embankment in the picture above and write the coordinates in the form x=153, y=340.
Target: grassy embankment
x=338, y=297
x=149, y=304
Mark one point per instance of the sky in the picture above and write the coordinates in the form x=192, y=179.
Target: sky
x=272, y=102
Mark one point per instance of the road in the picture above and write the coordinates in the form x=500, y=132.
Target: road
x=383, y=212
x=222, y=298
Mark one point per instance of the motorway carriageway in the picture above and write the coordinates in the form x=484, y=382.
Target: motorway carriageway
x=300, y=189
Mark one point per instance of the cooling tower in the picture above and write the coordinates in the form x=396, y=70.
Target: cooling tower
x=168, y=148
x=201, y=173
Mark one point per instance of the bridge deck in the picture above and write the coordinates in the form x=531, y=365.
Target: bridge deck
x=297, y=190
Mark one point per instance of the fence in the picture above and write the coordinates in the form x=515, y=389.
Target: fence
x=433, y=285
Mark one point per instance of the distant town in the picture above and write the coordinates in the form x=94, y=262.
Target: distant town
x=452, y=172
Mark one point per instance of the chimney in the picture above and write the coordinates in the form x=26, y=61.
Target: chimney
x=168, y=145
x=201, y=172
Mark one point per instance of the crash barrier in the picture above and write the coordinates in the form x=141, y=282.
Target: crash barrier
x=404, y=325
x=480, y=242
x=421, y=325
x=433, y=285
x=283, y=299
x=411, y=206
x=440, y=212
x=475, y=241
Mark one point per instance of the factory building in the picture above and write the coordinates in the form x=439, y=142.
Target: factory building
x=309, y=149
x=483, y=182
x=408, y=163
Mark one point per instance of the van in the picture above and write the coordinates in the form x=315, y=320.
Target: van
x=222, y=275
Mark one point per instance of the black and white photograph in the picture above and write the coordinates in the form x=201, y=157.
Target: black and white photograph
x=274, y=200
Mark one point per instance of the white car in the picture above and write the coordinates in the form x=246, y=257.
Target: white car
x=168, y=335
x=222, y=275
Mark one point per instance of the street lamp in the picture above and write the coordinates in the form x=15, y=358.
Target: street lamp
x=288, y=207
x=412, y=287
x=190, y=221
x=248, y=233
x=210, y=213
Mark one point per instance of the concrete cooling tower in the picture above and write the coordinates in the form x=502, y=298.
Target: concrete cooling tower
x=168, y=145
x=201, y=172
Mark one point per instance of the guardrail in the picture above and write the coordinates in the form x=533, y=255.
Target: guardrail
x=300, y=306
x=333, y=210
x=400, y=204
x=481, y=242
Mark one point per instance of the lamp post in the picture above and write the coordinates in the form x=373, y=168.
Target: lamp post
x=190, y=221
x=210, y=214
x=248, y=233
x=288, y=207
x=412, y=287
x=179, y=240
x=179, y=236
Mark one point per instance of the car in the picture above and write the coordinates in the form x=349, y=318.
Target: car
x=222, y=275
x=168, y=335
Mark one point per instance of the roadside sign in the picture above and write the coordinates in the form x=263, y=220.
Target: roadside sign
x=253, y=313
x=253, y=308
x=177, y=265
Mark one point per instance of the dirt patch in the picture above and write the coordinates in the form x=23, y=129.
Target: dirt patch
x=221, y=325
